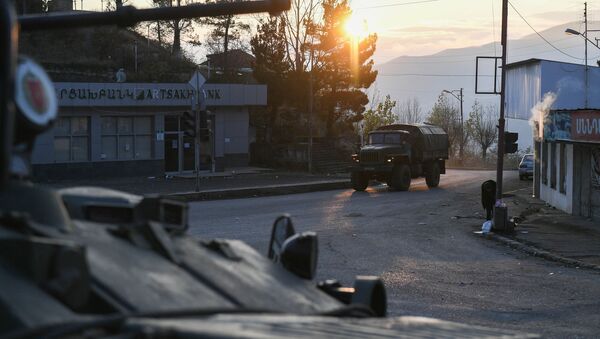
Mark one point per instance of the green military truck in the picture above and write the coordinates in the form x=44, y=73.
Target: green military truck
x=395, y=154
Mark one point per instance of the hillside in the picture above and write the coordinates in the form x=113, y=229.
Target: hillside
x=96, y=54
x=425, y=77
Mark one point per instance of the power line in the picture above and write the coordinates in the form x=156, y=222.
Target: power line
x=397, y=4
x=494, y=29
x=541, y=36
x=429, y=75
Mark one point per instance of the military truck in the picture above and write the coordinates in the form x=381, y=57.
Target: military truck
x=397, y=153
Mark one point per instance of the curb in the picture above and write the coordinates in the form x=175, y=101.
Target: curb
x=262, y=191
x=536, y=252
x=474, y=168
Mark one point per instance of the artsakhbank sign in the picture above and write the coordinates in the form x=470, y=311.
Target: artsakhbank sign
x=163, y=94
x=119, y=94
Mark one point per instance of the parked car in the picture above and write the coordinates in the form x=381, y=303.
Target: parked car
x=526, y=167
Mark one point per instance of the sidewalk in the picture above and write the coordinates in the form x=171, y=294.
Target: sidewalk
x=544, y=231
x=233, y=183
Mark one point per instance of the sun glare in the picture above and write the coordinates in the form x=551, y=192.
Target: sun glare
x=356, y=27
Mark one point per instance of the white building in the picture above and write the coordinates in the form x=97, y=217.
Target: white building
x=563, y=102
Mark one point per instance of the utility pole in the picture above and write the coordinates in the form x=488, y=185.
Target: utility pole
x=585, y=35
x=460, y=98
x=135, y=52
x=310, y=122
x=462, y=128
x=197, y=142
x=310, y=107
x=500, y=162
x=500, y=211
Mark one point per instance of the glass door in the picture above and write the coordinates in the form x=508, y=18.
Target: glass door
x=189, y=147
x=171, y=152
x=172, y=143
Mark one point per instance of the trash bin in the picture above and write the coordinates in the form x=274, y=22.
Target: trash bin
x=500, y=218
x=488, y=197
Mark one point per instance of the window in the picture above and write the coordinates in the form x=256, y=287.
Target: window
x=562, y=183
x=126, y=138
x=376, y=138
x=71, y=139
x=385, y=138
x=553, y=165
x=392, y=138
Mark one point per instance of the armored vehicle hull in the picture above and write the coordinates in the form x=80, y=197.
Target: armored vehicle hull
x=87, y=262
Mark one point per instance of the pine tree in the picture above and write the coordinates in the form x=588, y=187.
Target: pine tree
x=340, y=77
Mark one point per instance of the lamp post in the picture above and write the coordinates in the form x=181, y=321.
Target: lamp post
x=586, y=39
x=460, y=98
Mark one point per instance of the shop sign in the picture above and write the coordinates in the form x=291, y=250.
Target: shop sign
x=122, y=95
x=577, y=126
x=585, y=125
x=557, y=126
x=160, y=94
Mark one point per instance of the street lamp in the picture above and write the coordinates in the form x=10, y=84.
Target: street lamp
x=574, y=32
x=586, y=39
x=460, y=98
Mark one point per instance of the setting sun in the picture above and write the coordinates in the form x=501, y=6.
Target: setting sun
x=356, y=27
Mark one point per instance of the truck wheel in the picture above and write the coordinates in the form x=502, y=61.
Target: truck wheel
x=433, y=175
x=360, y=181
x=401, y=177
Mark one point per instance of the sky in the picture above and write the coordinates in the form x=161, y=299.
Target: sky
x=423, y=27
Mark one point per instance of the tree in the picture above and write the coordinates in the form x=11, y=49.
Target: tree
x=382, y=114
x=174, y=28
x=299, y=23
x=225, y=30
x=481, y=126
x=271, y=67
x=446, y=116
x=112, y=5
x=341, y=78
x=409, y=111
x=32, y=6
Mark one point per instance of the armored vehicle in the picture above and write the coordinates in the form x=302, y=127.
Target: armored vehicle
x=88, y=262
x=395, y=154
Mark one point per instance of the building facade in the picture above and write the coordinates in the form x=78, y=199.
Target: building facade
x=562, y=101
x=135, y=129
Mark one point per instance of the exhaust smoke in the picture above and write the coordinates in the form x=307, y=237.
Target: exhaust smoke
x=539, y=114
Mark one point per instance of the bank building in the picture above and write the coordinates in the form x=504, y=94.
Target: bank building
x=135, y=129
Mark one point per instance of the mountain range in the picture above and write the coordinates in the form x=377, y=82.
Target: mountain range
x=425, y=77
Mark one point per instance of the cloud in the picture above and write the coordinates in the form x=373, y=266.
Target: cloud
x=557, y=16
x=430, y=29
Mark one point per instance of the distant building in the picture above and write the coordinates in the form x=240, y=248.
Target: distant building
x=566, y=133
x=236, y=59
x=238, y=62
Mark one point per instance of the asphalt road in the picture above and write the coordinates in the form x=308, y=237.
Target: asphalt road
x=422, y=243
